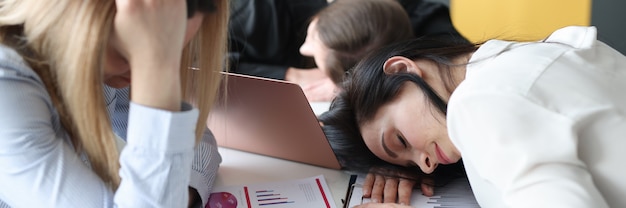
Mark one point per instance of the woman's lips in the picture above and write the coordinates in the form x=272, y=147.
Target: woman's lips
x=443, y=159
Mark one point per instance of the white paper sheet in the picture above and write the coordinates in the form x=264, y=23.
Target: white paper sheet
x=310, y=192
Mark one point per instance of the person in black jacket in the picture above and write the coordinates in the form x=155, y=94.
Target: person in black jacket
x=265, y=36
x=430, y=19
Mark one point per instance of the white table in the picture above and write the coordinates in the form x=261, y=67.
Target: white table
x=240, y=167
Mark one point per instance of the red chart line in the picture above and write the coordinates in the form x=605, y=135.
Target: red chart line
x=319, y=185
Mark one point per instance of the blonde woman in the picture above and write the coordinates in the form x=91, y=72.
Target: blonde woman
x=57, y=60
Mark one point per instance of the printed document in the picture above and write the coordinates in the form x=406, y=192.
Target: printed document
x=310, y=192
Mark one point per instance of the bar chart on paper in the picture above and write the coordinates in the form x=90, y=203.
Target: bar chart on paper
x=309, y=192
x=270, y=197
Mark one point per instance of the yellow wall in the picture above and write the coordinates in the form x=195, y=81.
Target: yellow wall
x=523, y=20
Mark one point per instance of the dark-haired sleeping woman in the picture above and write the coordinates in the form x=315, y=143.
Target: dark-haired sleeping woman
x=384, y=182
x=538, y=124
x=337, y=39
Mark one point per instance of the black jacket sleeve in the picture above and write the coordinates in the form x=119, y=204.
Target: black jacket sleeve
x=431, y=19
x=265, y=35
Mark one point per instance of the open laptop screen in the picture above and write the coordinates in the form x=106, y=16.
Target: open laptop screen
x=269, y=117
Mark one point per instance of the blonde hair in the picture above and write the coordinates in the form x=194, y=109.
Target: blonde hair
x=64, y=41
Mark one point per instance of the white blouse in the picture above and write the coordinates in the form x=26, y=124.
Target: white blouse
x=544, y=124
x=39, y=167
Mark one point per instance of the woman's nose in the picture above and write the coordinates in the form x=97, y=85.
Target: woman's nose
x=426, y=164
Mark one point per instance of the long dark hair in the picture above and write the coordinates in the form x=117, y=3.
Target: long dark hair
x=367, y=88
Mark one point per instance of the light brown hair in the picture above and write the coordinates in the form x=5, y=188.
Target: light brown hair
x=353, y=28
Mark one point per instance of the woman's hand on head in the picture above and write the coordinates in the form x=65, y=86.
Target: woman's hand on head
x=148, y=31
x=150, y=36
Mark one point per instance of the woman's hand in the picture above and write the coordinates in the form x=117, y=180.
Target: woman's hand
x=316, y=85
x=323, y=90
x=150, y=30
x=392, y=189
x=385, y=205
x=150, y=35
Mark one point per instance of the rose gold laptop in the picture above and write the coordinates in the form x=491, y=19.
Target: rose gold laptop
x=269, y=117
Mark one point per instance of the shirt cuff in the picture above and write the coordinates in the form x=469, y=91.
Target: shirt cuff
x=151, y=128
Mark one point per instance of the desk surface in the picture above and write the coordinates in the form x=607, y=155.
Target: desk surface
x=240, y=167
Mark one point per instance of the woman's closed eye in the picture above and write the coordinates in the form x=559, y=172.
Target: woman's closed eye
x=402, y=141
x=405, y=145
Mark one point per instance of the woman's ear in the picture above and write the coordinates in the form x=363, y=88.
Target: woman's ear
x=399, y=64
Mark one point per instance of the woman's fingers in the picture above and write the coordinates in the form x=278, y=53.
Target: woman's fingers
x=405, y=189
x=387, y=189
x=150, y=35
x=391, y=190
x=427, y=187
x=378, y=188
x=150, y=30
x=368, y=184
x=385, y=205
